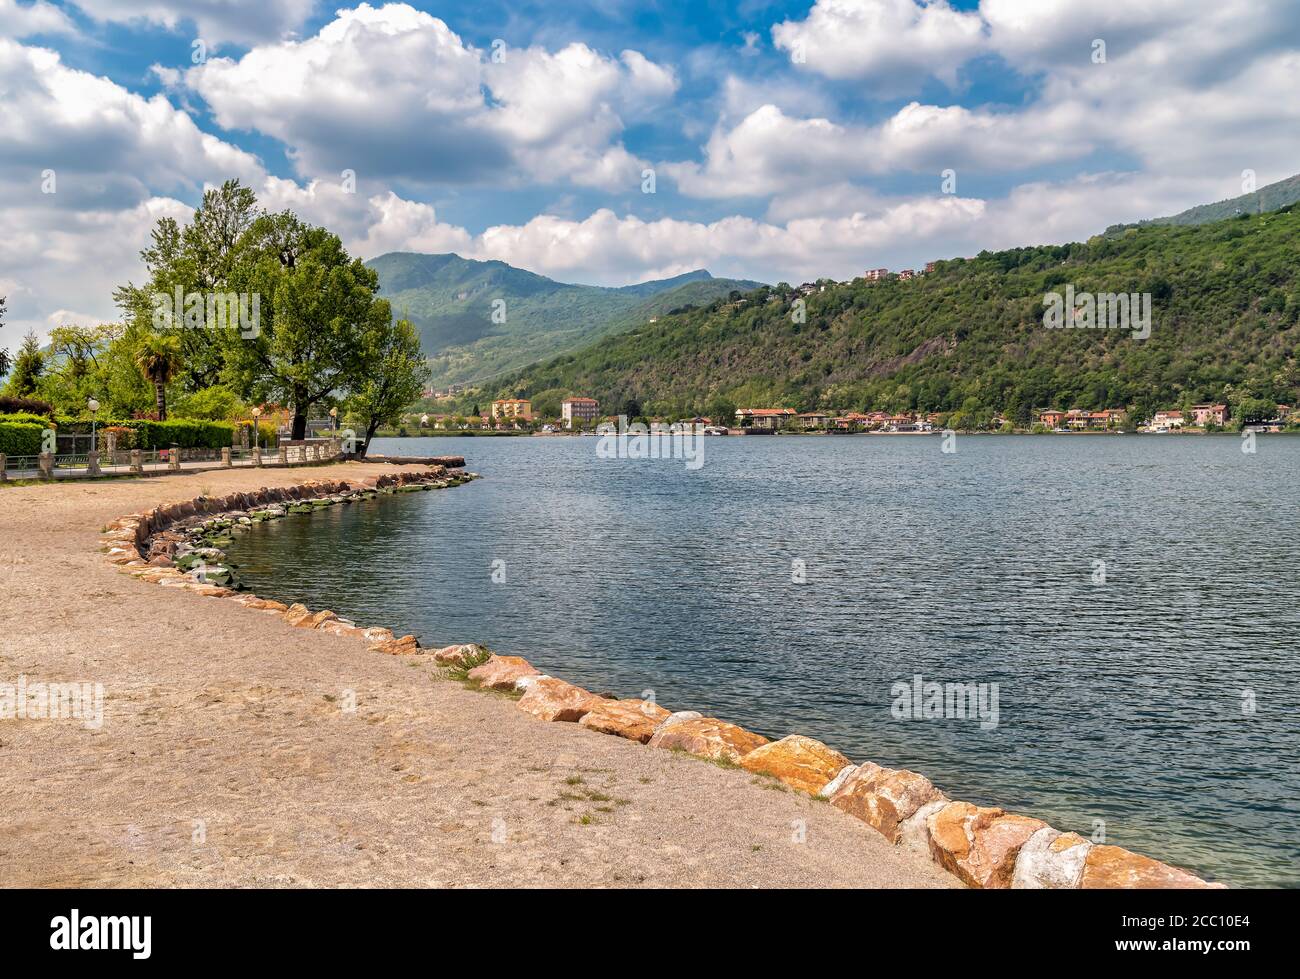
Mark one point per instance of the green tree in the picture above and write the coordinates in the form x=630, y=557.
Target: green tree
x=159, y=358
x=394, y=371
x=320, y=312
x=27, y=368
x=201, y=257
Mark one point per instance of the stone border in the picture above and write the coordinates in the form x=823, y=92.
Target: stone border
x=984, y=847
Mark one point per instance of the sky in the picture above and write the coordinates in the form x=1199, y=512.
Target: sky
x=613, y=142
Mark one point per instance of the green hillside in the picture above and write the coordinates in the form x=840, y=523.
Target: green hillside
x=1269, y=198
x=451, y=302
x=970, y=335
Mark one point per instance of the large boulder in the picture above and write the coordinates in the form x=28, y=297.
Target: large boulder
x=884, y=797
x=297, y=614
x=317, y=620
x=801, y=763
x=403, y=646
x=502, y=672
x=1114, y=867
x=707, y=737
x=979, y=845
x=635, y=720
x=460, y=654
x=554, y=700
x=1051, y=859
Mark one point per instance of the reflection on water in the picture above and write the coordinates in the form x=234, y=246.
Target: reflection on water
x=1126, y=703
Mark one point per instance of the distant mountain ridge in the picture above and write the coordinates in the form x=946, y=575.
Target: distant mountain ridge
x=479, y=319
x=1268, y=198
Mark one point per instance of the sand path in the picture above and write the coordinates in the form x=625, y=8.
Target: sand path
x=226, y=757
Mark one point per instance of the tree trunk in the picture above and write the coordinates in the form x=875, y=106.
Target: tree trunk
x=160, y=399
x=299, y=413
x=370, y=433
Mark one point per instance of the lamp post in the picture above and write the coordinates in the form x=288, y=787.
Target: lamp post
x=257, y=413
x=93, y=405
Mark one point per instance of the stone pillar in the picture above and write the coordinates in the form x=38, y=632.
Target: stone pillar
x=243, y=437
x=2, y=467
x=257, y=458
x=92, y=464
x=46, y=463
x=225, y=457
x=110, y=444
x=174, y=460
x=137, y=465
x=284, y=455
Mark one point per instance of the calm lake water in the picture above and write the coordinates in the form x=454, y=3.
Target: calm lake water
x=1164, y=703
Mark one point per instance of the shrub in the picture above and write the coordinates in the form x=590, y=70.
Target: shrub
x=20, y=439
x=125, y=437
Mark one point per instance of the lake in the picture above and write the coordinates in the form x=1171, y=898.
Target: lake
x=1132, y=597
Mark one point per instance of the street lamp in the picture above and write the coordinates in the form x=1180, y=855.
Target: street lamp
x=257, y=413
x=93, y=405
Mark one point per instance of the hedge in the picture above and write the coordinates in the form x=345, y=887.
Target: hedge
x=186, y=433
x=20, y=439
x=24, y=418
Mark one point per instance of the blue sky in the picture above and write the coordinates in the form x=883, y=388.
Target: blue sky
x=787, y=140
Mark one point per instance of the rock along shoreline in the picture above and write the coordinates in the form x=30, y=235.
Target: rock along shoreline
x=177, y=545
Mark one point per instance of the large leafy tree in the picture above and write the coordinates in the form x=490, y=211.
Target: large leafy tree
x=200, y=257
x=320, y=314
x=159, y=359
x=394, y=372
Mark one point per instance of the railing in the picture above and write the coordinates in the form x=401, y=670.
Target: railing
x=143, y=461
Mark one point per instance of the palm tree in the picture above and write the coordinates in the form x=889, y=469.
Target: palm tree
x=159, y=360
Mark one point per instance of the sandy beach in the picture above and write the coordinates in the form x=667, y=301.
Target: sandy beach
x=226, y=757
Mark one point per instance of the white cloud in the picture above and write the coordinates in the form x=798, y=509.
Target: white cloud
x=769, y=152
x=217, y=21
x=892, y=44
x=25, y=19
x=393, y=92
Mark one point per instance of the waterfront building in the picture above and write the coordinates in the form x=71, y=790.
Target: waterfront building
x=519, y=408
x=580, y=410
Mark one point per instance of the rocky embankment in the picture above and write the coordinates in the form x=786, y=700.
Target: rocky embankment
x=180, y=545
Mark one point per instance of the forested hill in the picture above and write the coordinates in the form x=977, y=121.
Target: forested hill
x=478, y=319
x=970, y=335
x=1267, y=198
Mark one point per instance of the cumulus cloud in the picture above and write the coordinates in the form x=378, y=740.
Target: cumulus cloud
x=769, y=152
x=393, y=92
x=25, y=19
x=217, y=21
x=892, y=44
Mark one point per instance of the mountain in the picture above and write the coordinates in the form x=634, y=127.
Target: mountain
x=970, y=335
x=452, y=301
x=1269, y=198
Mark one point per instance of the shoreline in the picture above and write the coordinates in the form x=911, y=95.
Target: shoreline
x=239, y=750
x=980, y=846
